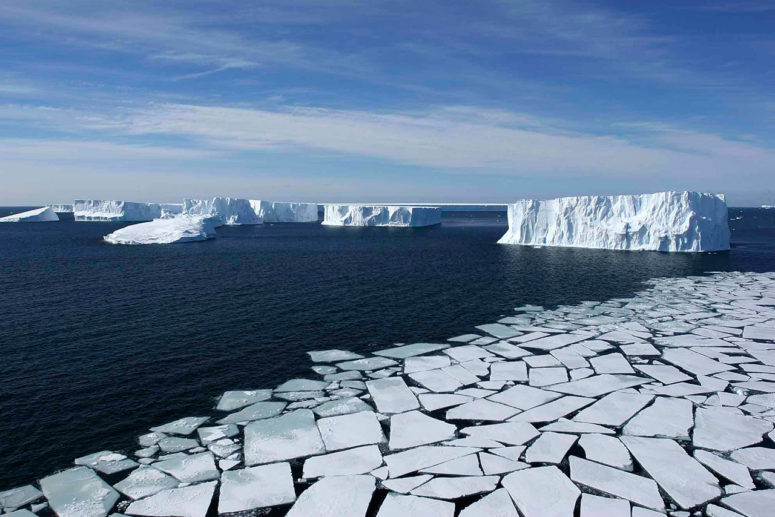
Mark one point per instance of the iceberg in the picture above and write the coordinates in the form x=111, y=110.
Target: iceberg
x=285, y=212
x=229, y=210
x=665, y=221
x=62, y=208
x=166, y=231
x=38, y=215
x=111, y=210
x=381, y=215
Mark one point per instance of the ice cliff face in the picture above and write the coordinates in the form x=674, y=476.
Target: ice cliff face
x=665, y=221
x=183, y=228
x=111, y=210
x=62, y=208
x=381, y=215
x=230, y=211
x=38, y=215
x=285, y=212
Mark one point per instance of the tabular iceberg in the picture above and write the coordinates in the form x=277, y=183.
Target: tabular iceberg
x=38, y=215
x=229, y=210
x=285, y=212
x=182, y=228
x=665, y=221
x=112, y=210
x=381, y=215
x=62, y=208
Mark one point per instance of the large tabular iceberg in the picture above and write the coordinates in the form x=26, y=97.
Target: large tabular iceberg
x=285, y=212
x=381, y=215
x=182, y=228
x=112, y=210
x=229, y=210
x=38, y=215
x=665, y=221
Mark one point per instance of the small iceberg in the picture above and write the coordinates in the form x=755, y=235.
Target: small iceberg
x=39, y=215
x=166, y=231
x=381, y=215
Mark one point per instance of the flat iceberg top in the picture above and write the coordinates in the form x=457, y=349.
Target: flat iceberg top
x=665, y=221
x=115, y=210
x=381, y=215
x=38, y=215
x=63, y=208
x=165, y=231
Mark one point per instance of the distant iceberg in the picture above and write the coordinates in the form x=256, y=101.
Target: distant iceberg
x=285, y=212
x=665, y=221
x=112, y=210
x=230, y=211
x=38, y=215
x=182, y=228
x=381, y=215
x=63, y=208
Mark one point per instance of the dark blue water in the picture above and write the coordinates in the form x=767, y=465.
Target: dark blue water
x=99, y=342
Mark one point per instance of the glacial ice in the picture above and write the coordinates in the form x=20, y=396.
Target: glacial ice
x=380, y=215
x=38, y=215
x=117, y=211
x=226, y=210
x=665, y=221
x=165, y=231
x=285, y=212
x=62, y=208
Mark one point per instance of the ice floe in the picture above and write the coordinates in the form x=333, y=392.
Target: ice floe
x=659, y=403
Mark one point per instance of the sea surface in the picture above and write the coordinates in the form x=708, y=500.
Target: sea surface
x=99, y=342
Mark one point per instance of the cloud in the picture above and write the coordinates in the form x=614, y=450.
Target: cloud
x=454, y=139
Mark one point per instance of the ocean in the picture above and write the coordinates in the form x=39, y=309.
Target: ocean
x=99, y=342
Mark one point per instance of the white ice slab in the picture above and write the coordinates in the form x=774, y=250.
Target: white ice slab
x=727, y=429
x=145, y=481
x=360, y=460
x=638, y=489
x=496, y=504
x=190, y=469
x=78, y=492
x=685, y=480
x=292, y=435
x=596, y=506
x=190, y=501
x=752, y=504
x=524, y=397
x=666, y=417
x=414, y=349
x=607, y=450
x=351, y=430
x=599, y=385
x=550, y=448
x=614, y=409
x=337, y=496
x=415, y=428
x=542, y=492
x=392, y=395
x=412, y=460
x=396, y=505
x=256, y=487
x=553, y=410
x=165, y=231
x=728, y=469
x=456, y=487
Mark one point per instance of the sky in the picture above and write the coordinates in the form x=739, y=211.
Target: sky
x=438, y=101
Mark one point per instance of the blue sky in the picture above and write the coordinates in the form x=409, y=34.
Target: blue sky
x=487, y=101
